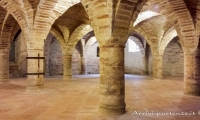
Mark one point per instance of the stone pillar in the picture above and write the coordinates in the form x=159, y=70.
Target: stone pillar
x=83, y=65
x=192, y=73
x=35, y=70
x=112, y=84
x=83, y=59
x=67, y=67
x=145, y=65
x=157, y=67
x=46, y=68
x=4, y=64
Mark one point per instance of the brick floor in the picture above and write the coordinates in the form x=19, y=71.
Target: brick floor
x=78, y=100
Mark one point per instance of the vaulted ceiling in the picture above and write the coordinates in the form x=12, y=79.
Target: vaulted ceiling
x=67, y=15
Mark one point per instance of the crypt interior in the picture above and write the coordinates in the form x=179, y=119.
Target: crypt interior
x=99, y=60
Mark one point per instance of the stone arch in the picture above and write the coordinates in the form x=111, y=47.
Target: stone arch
x=198, y=18
x=122, y=12
x=138, y=42
x=168, y=36
x=88, y=36
x=13, y=8
x=54, y=8
x=28, y=8
x=78, y=33
x=103, y=15
x=188, y=38
x=126, y=13
x=161, y=8
x=180, y=20
x=154, y=31
x=6, y=33
x=59, y=37
x=142, y=17
x=3, y=14
x=16, y=30
x=90, y=42
x=142, y=32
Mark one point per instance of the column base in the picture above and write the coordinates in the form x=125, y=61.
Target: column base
x=35, y=88
x=112, y=111
x=67, y=77
x=192, y=89
x=4, y=80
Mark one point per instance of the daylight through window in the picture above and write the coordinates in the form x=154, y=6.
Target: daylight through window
x=132, y=46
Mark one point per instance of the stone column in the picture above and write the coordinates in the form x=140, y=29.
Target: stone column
x=46, y=68
x=4, y=64
x=145, y=65
x=157, y=67
x=112, y=84
x=192, y=73
x=83, y=59
x=83, y=65
x=35, y=70
x=67, y=67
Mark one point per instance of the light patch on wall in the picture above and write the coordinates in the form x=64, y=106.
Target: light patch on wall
x=132, y=46
x=91, y=41
x=144, y=15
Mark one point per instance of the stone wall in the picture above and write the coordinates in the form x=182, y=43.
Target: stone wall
x=92, y=59
x=133, y=61
x=20, y=55
x=55, y=60
x=50, y=38
x=173, y=59
x=150, y=62
x=76, y=61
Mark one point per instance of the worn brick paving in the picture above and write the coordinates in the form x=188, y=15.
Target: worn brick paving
x=78, y=99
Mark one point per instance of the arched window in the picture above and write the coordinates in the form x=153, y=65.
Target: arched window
x=132, y=46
